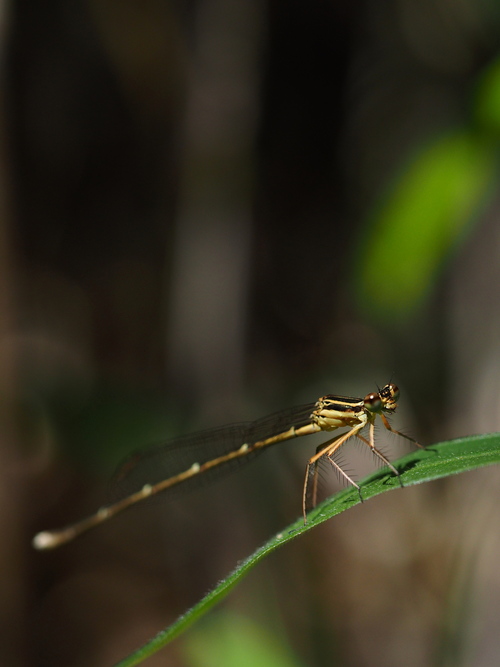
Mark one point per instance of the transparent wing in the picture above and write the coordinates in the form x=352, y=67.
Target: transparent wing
x=154, y=464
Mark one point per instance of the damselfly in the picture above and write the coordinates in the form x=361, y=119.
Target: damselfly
x=191, y=459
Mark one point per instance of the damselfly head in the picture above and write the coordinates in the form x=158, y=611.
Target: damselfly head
x=383, y=401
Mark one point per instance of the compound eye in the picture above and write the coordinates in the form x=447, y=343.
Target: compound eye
x=394, y=391
x=373, y=402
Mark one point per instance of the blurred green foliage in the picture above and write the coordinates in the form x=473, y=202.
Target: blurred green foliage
x=231, y=639
x=429, y=210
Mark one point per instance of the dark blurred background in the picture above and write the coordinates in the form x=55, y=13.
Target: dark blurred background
x=210, y=211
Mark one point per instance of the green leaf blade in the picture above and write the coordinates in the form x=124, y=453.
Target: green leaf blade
x=434, y=462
